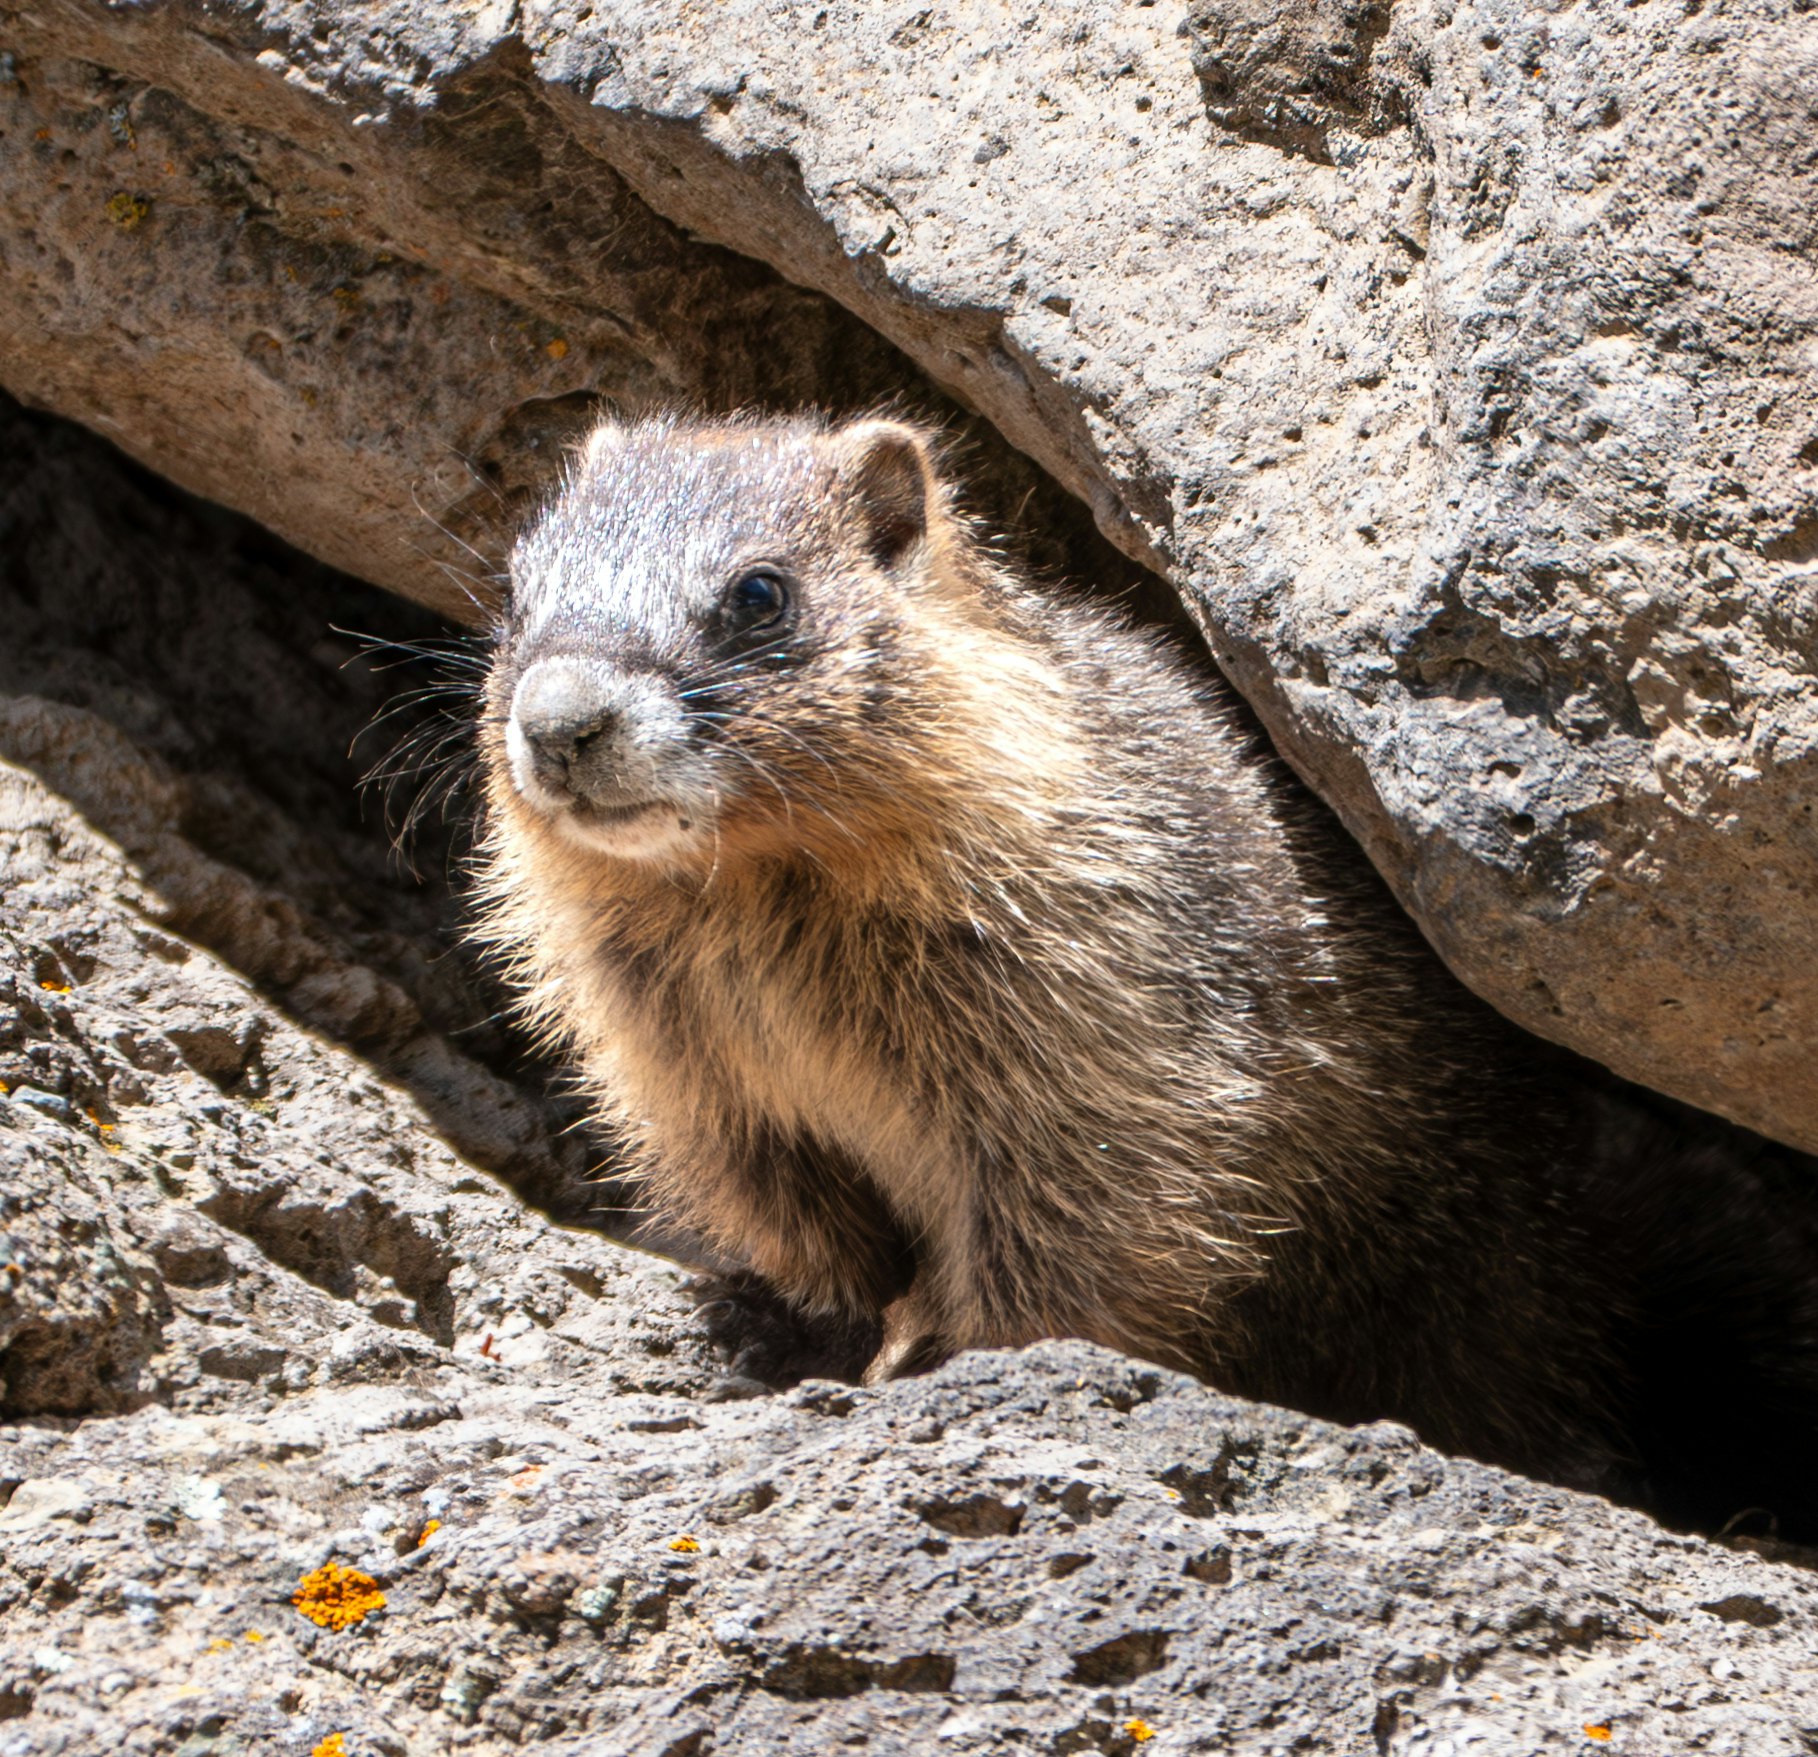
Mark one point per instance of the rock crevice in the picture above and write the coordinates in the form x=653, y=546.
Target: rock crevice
x=1330, y=321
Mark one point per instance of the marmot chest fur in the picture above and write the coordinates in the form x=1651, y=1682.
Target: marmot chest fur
x=943, y=946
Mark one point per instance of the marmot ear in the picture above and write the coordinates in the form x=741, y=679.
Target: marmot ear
x=605, y=439
x=889, y=470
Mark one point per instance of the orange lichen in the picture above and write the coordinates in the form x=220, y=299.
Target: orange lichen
x=1139, y=1730
x=52, y=987
x=684, y=1545
x=428, y=1531
x=335, y=1745
x=557, y=350
x=334, y=1596
x=126, y=211
x=1599, y=1733
x=255, y=1635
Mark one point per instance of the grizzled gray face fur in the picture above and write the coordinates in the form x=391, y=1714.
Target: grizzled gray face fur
x=662, y=595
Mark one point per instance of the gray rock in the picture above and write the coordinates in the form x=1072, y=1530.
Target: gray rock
x=1455, y=362
x=1036, y=1552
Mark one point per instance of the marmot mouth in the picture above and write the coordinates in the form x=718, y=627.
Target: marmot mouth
x=605, y=816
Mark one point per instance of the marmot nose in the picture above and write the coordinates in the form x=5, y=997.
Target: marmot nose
x=559, y=713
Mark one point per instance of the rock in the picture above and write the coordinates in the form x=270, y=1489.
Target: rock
x=1024, y=1552
x=197, y=740
x=314, y=1438
x=1455, y=363
x=268, y=267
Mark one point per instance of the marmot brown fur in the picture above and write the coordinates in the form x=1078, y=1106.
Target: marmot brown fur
x=943, y=946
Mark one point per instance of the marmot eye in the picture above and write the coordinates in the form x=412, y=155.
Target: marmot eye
x=757, y=600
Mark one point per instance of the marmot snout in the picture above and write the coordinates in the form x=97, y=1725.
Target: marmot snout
x=940, y=945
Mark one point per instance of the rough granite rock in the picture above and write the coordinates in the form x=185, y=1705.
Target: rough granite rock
x=258, y=1316
x=1458, y=363
x=1043, y=1552
x=376, y=340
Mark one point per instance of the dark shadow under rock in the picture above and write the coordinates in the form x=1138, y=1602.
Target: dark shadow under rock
x=210, y=700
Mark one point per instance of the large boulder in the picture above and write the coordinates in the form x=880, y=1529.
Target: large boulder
x=1457, y=363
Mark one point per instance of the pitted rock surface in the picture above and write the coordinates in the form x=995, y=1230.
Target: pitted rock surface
x=1457, y=363
x=1035, y=1552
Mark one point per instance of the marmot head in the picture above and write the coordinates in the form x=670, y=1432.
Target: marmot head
x=721, y=637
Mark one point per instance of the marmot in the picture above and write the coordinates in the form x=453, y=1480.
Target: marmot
x=943, y=945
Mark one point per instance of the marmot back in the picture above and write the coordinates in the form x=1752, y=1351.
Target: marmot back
x=943, y=949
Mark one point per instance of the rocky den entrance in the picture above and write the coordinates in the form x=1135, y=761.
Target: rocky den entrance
x=1451, y=367
x=312, y=1425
